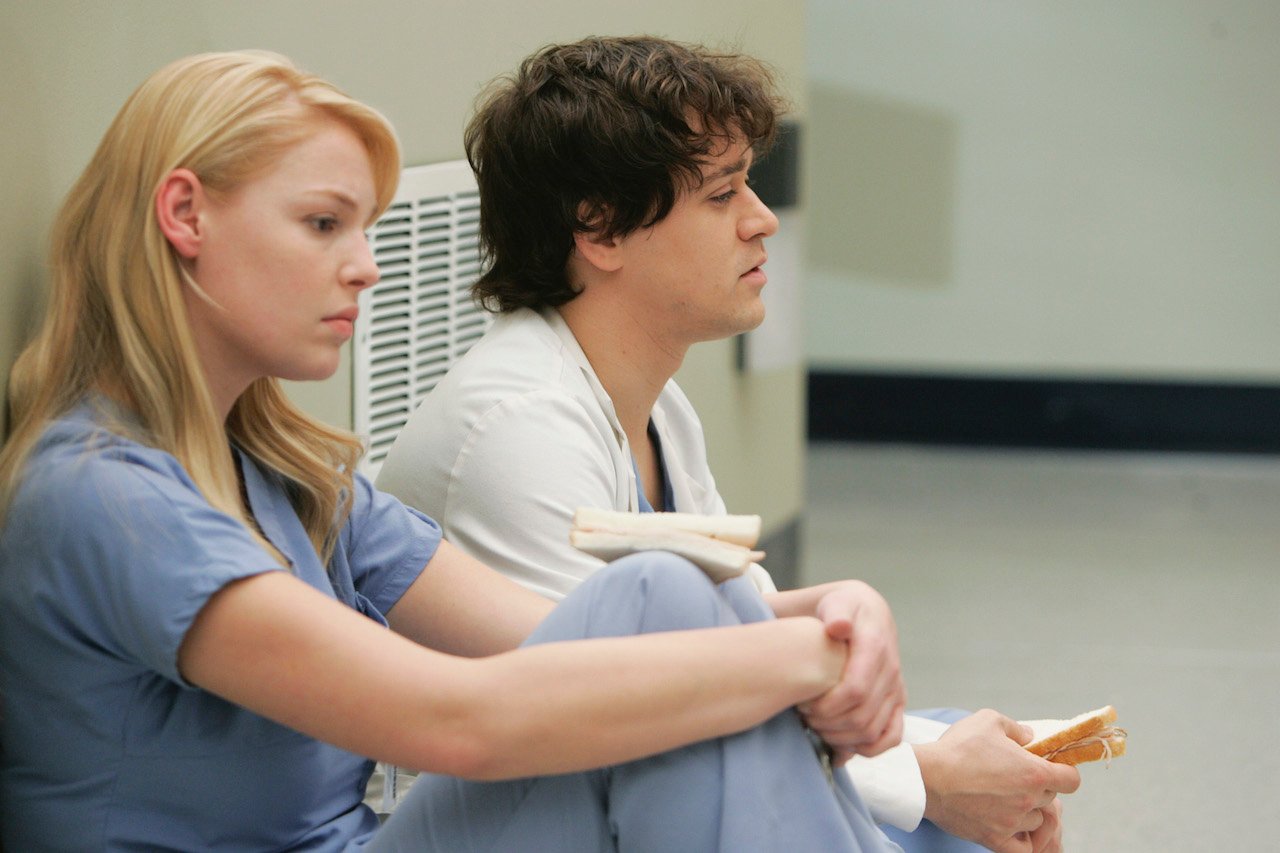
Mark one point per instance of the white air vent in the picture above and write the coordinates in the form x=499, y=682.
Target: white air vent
x=419, y=318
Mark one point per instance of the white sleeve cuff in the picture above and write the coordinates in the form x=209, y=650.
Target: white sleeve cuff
x=890, y=784
x=922, y=729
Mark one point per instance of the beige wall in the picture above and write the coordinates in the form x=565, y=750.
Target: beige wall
x=67, y=66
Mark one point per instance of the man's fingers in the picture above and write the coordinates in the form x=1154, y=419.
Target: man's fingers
x=1030, y=822
x=1048, y=838
x=1020, y=734
x=1063, y=779
x=1046, y=799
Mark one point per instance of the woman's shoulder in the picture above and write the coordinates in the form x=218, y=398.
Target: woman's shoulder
x=88, y=447
x=91, y=494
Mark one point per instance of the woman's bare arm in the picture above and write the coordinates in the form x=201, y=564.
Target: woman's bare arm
x=282, y=649
x=461, y=606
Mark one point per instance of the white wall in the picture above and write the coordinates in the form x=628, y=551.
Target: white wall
x=1046, y=188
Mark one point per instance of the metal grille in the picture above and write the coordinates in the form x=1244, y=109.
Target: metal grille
x=419, y=318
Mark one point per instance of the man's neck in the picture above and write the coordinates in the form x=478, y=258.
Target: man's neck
x=632, y=362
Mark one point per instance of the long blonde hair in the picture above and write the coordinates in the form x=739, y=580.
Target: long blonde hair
x=116, y=320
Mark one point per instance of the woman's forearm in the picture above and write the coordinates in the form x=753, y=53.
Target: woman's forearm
x=568, y=706
x=274, y=645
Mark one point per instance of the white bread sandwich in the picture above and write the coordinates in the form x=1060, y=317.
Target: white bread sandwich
x=741, y=530
x=1087, y=737
x=720, y=545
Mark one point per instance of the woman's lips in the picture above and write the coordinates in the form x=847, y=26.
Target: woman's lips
x=344, y=322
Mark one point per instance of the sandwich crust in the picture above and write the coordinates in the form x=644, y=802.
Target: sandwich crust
x=1087, y=737
x=1090, y=749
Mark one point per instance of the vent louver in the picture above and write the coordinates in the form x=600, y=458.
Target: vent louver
x=419, y=318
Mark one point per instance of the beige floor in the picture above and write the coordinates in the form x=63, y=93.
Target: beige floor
x=1044, y=584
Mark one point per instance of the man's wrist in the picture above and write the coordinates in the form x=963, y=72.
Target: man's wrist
x=929, y=757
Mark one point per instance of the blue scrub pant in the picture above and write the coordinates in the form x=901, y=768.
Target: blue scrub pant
x=761, y=790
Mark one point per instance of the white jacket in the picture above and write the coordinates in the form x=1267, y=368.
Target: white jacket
x=518, y=435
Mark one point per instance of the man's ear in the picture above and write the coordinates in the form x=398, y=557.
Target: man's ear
x=603, y=253
x=178, y=206
x=597, y=250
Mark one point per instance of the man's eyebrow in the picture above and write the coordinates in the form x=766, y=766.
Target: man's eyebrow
x=726, y=170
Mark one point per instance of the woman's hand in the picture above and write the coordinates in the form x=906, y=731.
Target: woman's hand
x=862, y=714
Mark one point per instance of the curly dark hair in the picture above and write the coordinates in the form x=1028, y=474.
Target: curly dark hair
x=600, y=136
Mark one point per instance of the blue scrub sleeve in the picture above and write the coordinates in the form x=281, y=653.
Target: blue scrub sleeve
x=386, y=545
x=133, y=551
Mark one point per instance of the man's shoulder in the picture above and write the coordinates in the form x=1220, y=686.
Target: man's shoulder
x=520, y=354
x=519, y=365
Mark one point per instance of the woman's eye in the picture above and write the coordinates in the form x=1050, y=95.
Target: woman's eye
x=324, y=223
x=724, y=197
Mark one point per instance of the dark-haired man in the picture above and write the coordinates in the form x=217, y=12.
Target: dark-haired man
x=620, y=230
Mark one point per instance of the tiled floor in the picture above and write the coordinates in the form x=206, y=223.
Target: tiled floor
x=1044, y=584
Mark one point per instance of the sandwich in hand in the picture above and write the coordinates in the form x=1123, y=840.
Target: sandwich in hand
x=1088, y=737
x=720, y=545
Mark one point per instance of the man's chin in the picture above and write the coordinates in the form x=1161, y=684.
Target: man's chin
x=753, y=319
x=746, y=322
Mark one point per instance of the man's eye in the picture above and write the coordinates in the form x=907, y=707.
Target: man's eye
x=724, y=197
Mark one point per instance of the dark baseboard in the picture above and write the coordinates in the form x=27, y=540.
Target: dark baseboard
x=1044, y=413
x=782, y=554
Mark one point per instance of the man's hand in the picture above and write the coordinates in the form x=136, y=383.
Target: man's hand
x=1048, y=838
x=862, y=714
x=980, y=784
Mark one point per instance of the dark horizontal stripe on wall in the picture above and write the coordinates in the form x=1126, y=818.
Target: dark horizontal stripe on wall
x=1001, y=412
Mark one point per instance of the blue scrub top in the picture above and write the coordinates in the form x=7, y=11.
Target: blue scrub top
x=107, y=554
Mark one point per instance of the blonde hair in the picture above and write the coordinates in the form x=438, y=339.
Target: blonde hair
x=116, y=319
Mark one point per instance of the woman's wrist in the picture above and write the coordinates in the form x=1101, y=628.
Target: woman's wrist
x=824, y=657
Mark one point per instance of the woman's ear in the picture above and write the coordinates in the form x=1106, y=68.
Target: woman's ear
x=178, y=207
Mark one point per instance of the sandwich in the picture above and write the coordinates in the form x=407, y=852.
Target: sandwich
x=721, y=545
x=1087, y=737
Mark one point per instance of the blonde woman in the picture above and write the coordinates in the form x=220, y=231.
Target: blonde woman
x=195, y=589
